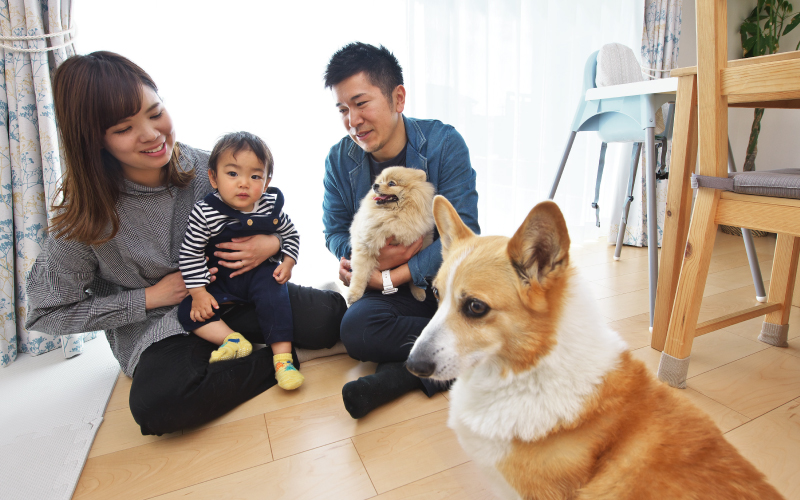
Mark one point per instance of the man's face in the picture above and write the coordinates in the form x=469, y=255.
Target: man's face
x=374, y=123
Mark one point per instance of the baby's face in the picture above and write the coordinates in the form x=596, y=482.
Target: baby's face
x=240, y=179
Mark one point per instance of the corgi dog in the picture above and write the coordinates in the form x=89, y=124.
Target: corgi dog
x=547, y=399
x=399, y=207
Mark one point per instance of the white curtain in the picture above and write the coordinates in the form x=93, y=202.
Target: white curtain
x=507, y=74
x=30, y=164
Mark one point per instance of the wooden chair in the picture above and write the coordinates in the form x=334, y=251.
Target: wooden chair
x=769, y=81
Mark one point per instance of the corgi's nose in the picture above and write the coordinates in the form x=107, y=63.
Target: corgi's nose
x=376, y=186
x=420, y=367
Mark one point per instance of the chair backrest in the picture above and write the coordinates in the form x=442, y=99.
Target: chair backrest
x=617, y=64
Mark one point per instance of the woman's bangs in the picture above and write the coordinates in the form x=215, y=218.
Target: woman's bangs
x=119, y=96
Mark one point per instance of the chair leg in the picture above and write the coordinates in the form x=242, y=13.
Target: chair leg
x=747, y=236
x=755, y=268
x=775, y=328
x=562, y=165
x=674, y=365
x=600, y=166
x=679, y=205
x=652, y=217
x=626, y=202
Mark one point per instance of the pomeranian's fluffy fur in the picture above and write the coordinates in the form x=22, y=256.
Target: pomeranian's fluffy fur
x=398, y=206
x=548, y=399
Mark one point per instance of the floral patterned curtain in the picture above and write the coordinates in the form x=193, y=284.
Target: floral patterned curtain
x=30, y=160
x=660, y=39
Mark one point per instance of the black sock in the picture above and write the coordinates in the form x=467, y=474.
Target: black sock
x=390, y=381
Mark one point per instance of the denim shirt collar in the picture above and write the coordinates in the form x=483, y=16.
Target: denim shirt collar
x=359, y=174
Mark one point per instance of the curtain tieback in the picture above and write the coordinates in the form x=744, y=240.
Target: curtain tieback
x=37, y=37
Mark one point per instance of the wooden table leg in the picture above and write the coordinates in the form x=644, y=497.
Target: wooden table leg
x=679, y=205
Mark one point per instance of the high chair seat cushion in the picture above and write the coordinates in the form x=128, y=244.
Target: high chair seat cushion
x=783, y=183
x=617, y=65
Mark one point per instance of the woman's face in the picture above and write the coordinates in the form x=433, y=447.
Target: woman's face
x=143, y=142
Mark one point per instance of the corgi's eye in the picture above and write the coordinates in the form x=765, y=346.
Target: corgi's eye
x=435, y=293
x=392, y=184
x=475, y=308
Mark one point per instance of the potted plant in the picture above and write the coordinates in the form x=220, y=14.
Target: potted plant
x=761, y=32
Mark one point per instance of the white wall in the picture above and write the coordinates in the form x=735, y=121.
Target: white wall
x=778, y=146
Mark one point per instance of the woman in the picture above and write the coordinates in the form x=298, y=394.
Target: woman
x=111, y=262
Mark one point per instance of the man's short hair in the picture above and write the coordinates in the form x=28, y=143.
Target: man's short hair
x=380, y=66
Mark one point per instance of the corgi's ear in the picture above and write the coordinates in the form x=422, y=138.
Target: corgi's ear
x=540, y=247
x=450, y=226
x=420, y=175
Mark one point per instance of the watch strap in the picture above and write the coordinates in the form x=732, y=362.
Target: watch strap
x=388, y=286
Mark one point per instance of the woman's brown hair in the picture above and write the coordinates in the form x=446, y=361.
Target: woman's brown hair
x=93, y=93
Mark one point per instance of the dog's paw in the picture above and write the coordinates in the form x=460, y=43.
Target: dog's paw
x=418, y=293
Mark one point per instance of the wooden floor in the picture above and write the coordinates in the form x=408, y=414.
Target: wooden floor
x=303, y=444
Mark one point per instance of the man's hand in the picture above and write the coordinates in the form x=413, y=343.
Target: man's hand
x=169, y=291
x=247, y=252
x=345, y=273
x=283, y=272
x=203, y=304
x=394, y=255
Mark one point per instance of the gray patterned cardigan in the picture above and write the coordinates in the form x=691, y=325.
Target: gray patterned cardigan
x=74, y=287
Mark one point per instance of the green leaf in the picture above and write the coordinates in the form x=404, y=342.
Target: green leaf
x=749, y=28
x=792, y=25
x=748, y=45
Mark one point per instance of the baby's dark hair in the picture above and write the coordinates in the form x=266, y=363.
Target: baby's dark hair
x=379, y=64
x=241, y=141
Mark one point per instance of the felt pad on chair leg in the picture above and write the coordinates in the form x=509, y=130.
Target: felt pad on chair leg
x=673, y=370
x=777, y=335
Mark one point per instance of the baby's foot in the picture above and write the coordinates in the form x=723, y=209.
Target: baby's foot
x=234, y=346
x=285, y=373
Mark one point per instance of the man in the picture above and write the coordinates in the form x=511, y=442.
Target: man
x=367, y=85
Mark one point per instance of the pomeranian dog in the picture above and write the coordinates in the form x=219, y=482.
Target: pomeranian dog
x=398, y=206
x=548, y=399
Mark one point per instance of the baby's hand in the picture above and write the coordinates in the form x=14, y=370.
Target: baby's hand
x=283, y=272
x=203, y=305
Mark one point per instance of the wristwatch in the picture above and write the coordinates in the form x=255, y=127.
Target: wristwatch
x=388, y=286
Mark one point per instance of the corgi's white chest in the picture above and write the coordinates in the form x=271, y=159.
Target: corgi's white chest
x=486, y=453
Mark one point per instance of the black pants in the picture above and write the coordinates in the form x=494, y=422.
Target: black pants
x=383, y=328
x=174, y=387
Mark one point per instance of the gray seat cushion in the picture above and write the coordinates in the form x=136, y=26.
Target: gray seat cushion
x=784, y=183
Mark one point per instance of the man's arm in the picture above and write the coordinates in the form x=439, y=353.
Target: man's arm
x=457, y=183
x=335, y=214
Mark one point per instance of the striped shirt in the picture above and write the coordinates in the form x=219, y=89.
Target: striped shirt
x=73, y=287
x=206, y=222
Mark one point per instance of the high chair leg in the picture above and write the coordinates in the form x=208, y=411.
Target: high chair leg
x=674, y=365
x=626, y=205
x=561, y=165
x=775, y=329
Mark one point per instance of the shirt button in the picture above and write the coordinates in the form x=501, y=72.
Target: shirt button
x=275, y=221
x=249, y=222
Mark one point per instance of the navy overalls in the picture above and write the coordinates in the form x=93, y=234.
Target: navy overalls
x=256, y=286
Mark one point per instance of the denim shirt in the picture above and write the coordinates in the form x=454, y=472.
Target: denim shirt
x=434, y=147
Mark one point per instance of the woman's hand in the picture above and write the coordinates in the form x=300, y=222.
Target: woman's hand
x=170, y=291
x=394, y=255
x=248, y=252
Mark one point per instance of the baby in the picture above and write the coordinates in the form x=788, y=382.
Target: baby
x=240, y=169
